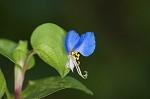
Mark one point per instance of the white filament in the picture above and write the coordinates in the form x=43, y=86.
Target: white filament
x=72, y=63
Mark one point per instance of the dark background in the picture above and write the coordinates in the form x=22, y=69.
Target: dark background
x=119, y=67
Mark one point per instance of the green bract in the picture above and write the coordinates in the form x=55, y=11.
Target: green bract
x=47, y=41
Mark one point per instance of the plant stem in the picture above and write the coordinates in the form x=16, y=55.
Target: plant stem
x=19, y=78
x=27, y=61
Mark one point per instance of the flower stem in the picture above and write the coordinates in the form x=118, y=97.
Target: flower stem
x=27, y=61
x=20, y=74
x=18, y=82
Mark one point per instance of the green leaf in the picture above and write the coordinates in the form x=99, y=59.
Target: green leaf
x=6, y=48
x=12, y=51
x=20, y=54
x=40, y=88
x=8, y=94
x=47, y=41
x=2, y=84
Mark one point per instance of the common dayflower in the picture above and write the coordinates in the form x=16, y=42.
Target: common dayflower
x=76, y=45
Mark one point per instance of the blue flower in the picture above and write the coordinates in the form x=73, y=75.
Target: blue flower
x=76, y=45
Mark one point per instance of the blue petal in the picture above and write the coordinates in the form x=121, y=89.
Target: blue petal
x=71, y=39
x=86, y=44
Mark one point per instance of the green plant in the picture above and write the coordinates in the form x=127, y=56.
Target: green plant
x=47, y=41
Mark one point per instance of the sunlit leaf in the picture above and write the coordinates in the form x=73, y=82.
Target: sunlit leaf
x=47, y=41
x=2, y=84
x=40, y=88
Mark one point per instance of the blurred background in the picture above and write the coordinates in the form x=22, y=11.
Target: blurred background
x=119, y=67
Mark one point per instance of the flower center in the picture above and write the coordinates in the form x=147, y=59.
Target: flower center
x=76, y=56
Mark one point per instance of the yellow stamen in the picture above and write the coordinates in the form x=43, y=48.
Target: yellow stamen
x=76, y=56
x=78, y=63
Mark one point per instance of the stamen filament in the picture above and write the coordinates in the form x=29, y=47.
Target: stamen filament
x=79, y=71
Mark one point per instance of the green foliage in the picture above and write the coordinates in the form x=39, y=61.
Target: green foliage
x=15, y=52
x=40, y=88
x=2, y=84
x=47, y=41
